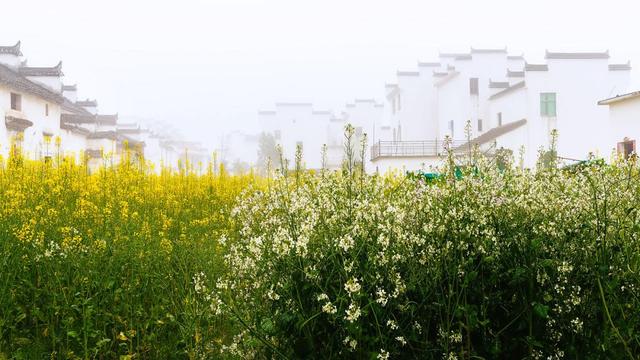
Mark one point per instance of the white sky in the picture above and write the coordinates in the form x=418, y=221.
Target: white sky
x=207, y=66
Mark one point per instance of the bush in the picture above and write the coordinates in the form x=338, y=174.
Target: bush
x=498, y=264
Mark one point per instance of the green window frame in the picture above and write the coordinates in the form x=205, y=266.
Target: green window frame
x=547, y=104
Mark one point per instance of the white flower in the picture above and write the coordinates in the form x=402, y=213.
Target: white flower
x=352, y=285
x=323, y=297
x=382, y=297
x=392, y=324
x=346, y=243
x=329, y=308
x=383, y=355
x=352, y=343
x=353, y=312
x=402, y=341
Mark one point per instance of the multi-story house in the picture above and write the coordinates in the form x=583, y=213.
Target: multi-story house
x=498, y=101
x=30, y=104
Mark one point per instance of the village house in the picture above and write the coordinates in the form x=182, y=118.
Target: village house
x=44, y=118
x=623, y=128
x=298, y=124
x=30, y=104
x=498, y=100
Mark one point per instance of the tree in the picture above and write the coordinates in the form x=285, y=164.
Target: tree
x=267, y=152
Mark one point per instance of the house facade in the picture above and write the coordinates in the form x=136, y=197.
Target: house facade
x=497, y=100
x=42, y=117
x=623, y=128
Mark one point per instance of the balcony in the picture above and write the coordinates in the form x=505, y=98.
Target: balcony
x=428, y=148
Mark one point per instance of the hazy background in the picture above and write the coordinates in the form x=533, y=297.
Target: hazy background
x=207, y=66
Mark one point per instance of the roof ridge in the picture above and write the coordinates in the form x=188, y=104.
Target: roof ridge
x=15, y=49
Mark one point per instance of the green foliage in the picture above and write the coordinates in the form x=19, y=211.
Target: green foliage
x=489, y=263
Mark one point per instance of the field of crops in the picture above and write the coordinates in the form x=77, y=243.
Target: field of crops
x=482, y=262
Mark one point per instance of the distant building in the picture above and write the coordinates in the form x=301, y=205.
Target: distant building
x=623, y=127
x=507, y=102
x=43, y=117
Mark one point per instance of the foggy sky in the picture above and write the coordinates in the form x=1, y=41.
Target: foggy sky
x=206, y=67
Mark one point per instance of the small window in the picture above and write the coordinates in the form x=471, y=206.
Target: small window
x=16, y=102
x=399, y=103
x=393, y=105
x=359, y=131
x=548, y=104
x=499, y=119
x=479, y=124
x=399, y=132
x=451, y=127
x=46, y=109
x=473, y=86
x=277, y=134
x=626, y=147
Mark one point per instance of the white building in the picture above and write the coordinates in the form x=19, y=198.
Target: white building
x=623, y=128
x=298, y=124
x=29, y=104
x=44, y=117
x=294, y=124
x=507, y=102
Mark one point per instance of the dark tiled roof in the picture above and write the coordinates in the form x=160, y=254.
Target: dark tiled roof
x=488, y=51
x=67, y=105
x=107, y=119
x=103, y=135
x=16, y=124
x=42, y=71
x=453, y=55
x=440, y=73
x=508, y=90
x=498, y=84
x=515, y=57
x=428, y=64
x=73, y=87
x=511, y=73
x=463, y=57
x=74, y=128
x=493, y=134
x=577, y=55
x=89, y=119
x=618, y=98
x=407, y=73
x=129, y=131
x=620, y=67
x=14, y=50
x=78, y=118
x=266, y=112
x=18, y=82
x=293, y=104
x=87, y=103
x=536, y=67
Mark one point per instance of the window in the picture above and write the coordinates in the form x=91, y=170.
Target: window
x=394, y=135
x=479, y=124
x=46, y=109
x=359, y=131
x=399, y=132
x=277, y=134
x=16, y=102
x=393, y=105
x=399, y=103
x=451, y=127
x=499, y=119
x=473, y=86
x=547, y=104
x=626, y=147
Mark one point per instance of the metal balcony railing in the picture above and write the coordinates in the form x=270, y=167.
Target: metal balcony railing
x=425, y=148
